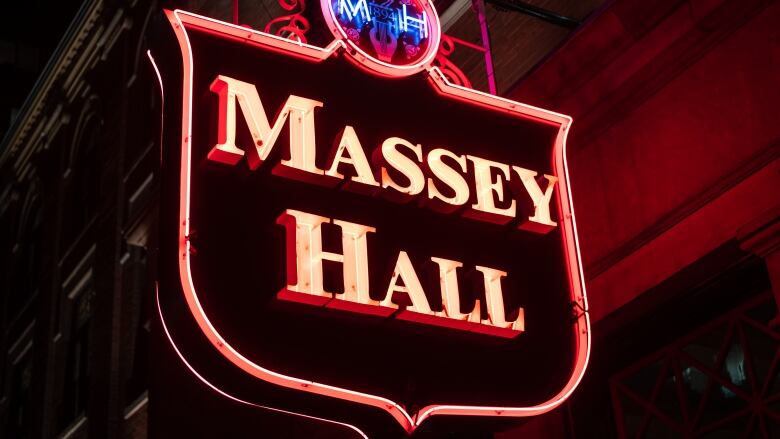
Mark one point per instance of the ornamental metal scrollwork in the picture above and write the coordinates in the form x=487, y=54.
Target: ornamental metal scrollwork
x=293, y=26
x=454, y=74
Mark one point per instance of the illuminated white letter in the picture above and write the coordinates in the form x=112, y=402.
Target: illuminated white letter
x=356, y=157
x=346, y=7
x=540, y=221
x=411, y=286
x=494, y=298
x=486, y=187
x=448, y=176
x=354, y=243
x=404, y=165
x=305, y=256
x=421, y=24
x=300, y=111
x=450, y=295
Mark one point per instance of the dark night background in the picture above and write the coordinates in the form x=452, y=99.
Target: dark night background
x=29, y=33
x=673, y=156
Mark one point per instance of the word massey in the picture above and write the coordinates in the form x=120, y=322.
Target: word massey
x=349, y=151
x=398, y=158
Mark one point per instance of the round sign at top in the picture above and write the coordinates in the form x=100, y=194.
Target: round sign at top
x=390, y=37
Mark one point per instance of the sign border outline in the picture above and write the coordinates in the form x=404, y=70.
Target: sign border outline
x=438, y=80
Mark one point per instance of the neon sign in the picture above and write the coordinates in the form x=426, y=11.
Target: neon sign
x=304, y=228
x=394, y=31
x=406, y=221
x=390, y=37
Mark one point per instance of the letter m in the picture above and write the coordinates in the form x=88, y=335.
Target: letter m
x=352, y=10
x=299, y=110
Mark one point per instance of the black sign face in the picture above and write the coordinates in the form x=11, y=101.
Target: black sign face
x=375, y=250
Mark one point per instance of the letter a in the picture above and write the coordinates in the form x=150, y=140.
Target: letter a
x=412, y=286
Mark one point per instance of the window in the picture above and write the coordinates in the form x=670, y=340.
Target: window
x=83, y=190
x=26, y=271
x=138, y=287
x=720, y=381
x=76, y=383
x=20, y=404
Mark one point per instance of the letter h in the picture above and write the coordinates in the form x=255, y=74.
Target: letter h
x=305, y=256
x=420, y=24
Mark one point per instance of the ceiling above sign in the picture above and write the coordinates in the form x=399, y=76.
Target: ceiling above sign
x=371, y=250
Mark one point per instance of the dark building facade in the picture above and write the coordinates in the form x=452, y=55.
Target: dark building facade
x=674, y=171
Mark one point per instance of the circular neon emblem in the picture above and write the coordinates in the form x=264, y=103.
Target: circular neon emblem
x=391, y=37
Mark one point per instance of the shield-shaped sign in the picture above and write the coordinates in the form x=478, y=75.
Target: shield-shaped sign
x=347, y=234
